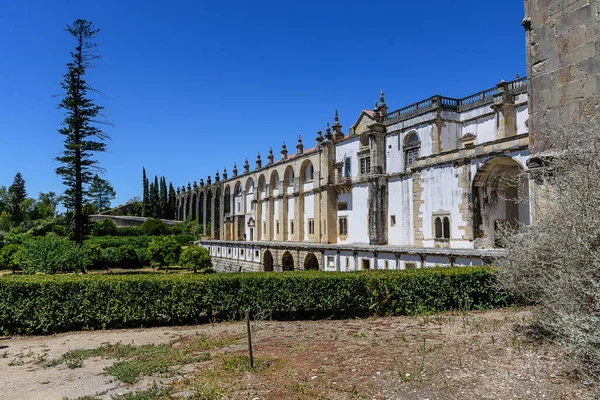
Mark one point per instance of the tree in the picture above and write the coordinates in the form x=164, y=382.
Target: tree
x=150, y=204
x=196, y=258
x=155, y=199
x=163, y=196
x=555, y=262
x=17, y=189
x=145, y=195
x=82, y=136
x=101, y=193
x=172, y=202
x=15, y=198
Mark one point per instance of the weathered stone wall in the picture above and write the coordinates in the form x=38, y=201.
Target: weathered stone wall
x=563, y=61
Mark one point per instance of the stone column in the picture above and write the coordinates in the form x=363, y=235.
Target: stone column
x=378, y=186
x=504, y=105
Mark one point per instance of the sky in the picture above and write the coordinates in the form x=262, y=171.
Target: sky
x=190, y=86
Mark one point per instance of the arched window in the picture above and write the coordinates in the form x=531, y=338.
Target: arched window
x=446, y=228
x=309, y=173
x=438, y=228
x=412, y=147
x=347, y=168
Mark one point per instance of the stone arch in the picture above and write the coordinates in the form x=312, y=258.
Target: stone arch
x=307, y=171
x=268, y=261
x=288, y=176
x=261, y=187
x=249, y=186
x=237, y=188
x=311, y=263
x=217, y=220
x=193, y=206
x=273, y=182
x=287, y=261
x=209, y=199
x=227, y=199
x=500, y=197
x=201, y=211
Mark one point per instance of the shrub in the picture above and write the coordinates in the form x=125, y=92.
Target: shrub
x=106, y=227
x=164, y=250
x=51, y=254
x=110, y=258
x=142, y=255
x=128, y=257
x=8, y=256
x=129, y=231
x=555, y=262
x=195, y=258
x=58, y=303
x=154, y=227
x=94, y=254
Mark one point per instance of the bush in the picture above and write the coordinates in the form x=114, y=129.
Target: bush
x=555, y=262
x=142, y=255
x=128, y=257
x=94, y=254
x=118, y=241
x=51, y=254
x=164, y=250
x=46, y=304
x=110, y=258
x=129, y=231
x=106, y=227
x=154, y=227
x=8, y=256
x=195, y=258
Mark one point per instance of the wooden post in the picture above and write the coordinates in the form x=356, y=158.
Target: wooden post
x=250, y=358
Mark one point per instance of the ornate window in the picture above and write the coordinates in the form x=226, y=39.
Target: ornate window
x=412, y=148
x=311, y=226
x=365, y=165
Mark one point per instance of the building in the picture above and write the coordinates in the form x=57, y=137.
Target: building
x=427, y=184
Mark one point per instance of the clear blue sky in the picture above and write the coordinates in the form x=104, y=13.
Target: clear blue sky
x=193, y=86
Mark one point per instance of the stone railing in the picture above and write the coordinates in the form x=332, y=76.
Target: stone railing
x=448, y=103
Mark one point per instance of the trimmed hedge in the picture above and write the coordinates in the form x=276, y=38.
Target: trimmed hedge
x=135, y=241
x=45, y=304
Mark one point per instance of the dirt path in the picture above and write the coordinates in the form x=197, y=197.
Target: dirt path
x=451, y=356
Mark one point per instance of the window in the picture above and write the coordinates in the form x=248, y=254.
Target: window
x=343, y=226
x=393, y=220
x=291, y=227
x=412, y=147
x=229, y=250
x=347, y=168
x=242, y=251
x=311, y=226
x=277, y=227
x=347, y=263
x=256, y=254
x=342, y=206
x=330, y=261
x=365, y=165
x=264, y=228
x=386, y=264
x=442, y=227
x=366, y=264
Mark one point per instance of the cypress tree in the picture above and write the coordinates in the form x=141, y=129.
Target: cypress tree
x=155, y=199
x=172, y=202
x=145, y=193
x=150, y=205
x=163, y=198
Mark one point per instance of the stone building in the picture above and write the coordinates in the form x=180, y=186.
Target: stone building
x=427, y=184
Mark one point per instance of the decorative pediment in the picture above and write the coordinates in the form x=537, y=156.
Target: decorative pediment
x=468, y=140
x=251, y=222
x=362, y=123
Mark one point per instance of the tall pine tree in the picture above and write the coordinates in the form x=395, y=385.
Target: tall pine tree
x=145, y=195
x=163, y=198
x=82, y=136
x=16, y=195
x=172, y=202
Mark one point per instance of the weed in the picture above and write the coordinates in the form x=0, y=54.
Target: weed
x=361, y=335
x=237, y=363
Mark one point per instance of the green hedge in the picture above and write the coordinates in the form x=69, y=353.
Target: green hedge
x=45, y=304
x=135, y=241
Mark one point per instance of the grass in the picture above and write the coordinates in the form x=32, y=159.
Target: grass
x=135, y=361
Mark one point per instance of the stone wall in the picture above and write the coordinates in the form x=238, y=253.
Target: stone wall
x=563, y=62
